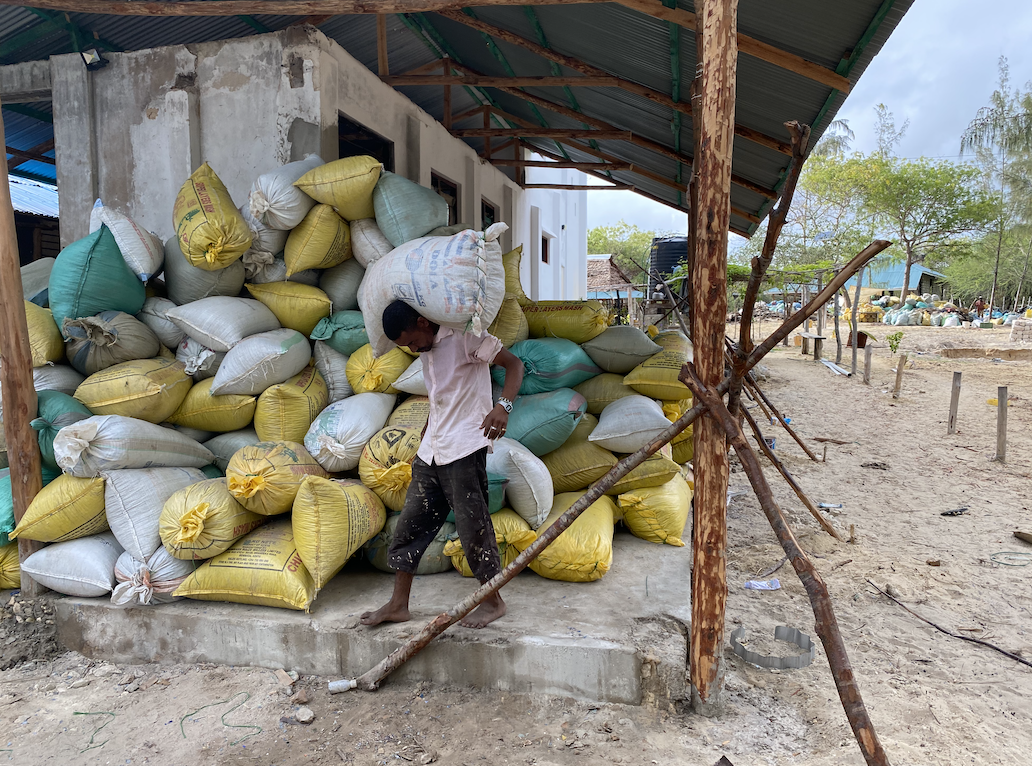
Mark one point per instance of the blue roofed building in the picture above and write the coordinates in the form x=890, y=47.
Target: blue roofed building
x=886, y=276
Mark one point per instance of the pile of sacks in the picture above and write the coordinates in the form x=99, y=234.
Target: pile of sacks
x=221, y=416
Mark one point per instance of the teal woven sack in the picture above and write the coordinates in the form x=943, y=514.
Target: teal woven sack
x=549, y=364
x=543, y=422
x=6, y=507
x=405, y=210
x=55, y=411
x=343, y=331
x=91, y=276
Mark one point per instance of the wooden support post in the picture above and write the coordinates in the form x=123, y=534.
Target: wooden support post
x=1001, y=424
x=820, y=600
x=868, y=350
x=838, y=335
x=447, y=98
x=382, y=65
x=853, y=315
x=781, y=419
x=716, y=39
x=487, y=139
x=900, y=364
x=20, y=402
x=951, y=426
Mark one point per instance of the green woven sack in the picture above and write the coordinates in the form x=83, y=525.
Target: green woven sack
x=55, y=411
x=549, y=364
x=343, y=331
x=91, y=276
x=543, y=422
x=406, y=210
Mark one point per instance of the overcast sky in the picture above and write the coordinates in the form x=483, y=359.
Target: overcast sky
x=938, y=67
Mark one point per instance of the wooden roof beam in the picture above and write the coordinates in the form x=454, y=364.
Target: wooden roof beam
x=577, y=65
x=485, y=81
x=747, y=45
x=563, y=164
x=601, y=135
x=35, y=154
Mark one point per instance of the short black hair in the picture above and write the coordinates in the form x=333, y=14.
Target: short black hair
x=397, y=318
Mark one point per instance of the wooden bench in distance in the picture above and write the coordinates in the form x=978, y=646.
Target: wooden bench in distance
x=818, y=344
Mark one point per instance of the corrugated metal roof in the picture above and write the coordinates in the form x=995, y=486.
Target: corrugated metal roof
x=33, y=197
x=888, y=275
x=616, y=39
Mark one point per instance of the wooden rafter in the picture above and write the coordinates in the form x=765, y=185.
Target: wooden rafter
x=382, y=65
x=577, y=65
x=601, y=135
x=485, y=81
x=566, y=164
x=35, y=154
x=746, y=44
x=614, y=186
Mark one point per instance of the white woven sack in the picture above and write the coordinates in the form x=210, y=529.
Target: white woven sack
x=140, y=249
x=265, y=241
x=200, y=361
x=56, y=377
x=149, y=582
x=224, y=446
x=154, y=314
x=530, y=490
x=628, y=424
x=261, y=361
x=411, y=381
x=187, y=283
x=275, y=201
x=340, y=433
x=221, y=322
x=332, y=365
x=263, y=268
x=83, y=567
x=368, y=244
x=456, y=281
x=342, y=283
x=196, y=434
x=133, y=500
x=113, y=442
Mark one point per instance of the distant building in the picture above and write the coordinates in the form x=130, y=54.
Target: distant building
x=886, y=276
x=608, y=283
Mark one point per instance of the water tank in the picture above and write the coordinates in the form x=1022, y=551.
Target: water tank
x=666, y=253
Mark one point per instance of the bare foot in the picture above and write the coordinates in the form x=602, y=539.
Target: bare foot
x=389, y=612
x=485, y=614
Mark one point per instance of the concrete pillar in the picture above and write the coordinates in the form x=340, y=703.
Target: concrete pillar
x=75, y=139
x=509, y=214
x=470, y=195
x=182, y=112
x=413, y=145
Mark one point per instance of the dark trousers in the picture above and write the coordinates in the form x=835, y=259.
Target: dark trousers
x=435, y=490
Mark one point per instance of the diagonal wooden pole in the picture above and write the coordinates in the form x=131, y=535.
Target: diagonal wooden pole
x=820, y=600
x=372, y=679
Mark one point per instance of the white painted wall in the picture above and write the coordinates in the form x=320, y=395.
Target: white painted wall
x=132, y=133
x=560, y=216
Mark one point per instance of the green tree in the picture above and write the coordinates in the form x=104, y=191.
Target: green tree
x=1000, y=136
x=628, y=244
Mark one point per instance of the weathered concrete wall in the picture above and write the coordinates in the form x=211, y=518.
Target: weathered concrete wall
x=132, y=132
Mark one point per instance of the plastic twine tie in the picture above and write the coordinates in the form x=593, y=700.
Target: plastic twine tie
x=246, y=486
x=212, y=251
x=397, y=477
x=192, y=524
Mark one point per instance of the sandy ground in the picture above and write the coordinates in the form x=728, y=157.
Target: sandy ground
x=934, y=699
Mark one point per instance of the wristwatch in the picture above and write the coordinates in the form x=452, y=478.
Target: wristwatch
x=506, y=404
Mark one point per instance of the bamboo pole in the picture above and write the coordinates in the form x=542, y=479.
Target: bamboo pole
x=20, y=402
x=820, y=600
x=776, y=462
x=372, y=679
x=717, y=56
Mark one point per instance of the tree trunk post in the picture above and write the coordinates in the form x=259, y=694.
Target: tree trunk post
x=906, y=278
x=838, y=335
x=1001, y=424
x=20, y=402
x=716, y=38
x=900, y=364
x=951, y=426
x=868, y=351
x=854, y=310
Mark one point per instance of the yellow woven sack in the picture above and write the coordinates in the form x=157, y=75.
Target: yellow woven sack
x=347, y=184
x=10, y=567
x=203, y=520
x=674, y=410
x=584, y=552
x=297, y=306
x=510, y=326
x=656, y=470
x=322, y=240
x=264, y=569
x=265, y=477
x=148, y=389
x=683, y=452
x=658, y=514
x=512, y=532
x=65, y=509
x=285, y=411
x=602, y=390
x=219, y=414
x=579, y=321
x=211, y=232
x=414, y=412
x=657, y=377
x=332, y=519
x=45, y=341
x=386, y=464
x=578, y=463
x=367, y=373
x=513, y=285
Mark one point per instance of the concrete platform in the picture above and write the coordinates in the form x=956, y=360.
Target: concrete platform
x=622, y=639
